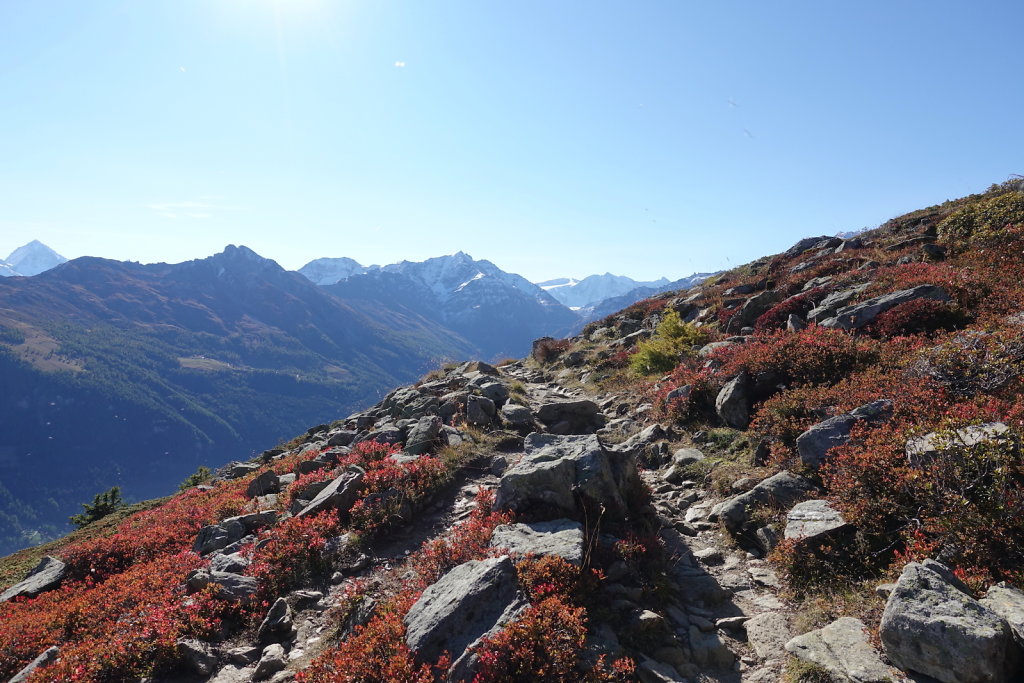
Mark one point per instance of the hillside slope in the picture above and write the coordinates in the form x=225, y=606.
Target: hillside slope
x=134, y=375
x=807, y=469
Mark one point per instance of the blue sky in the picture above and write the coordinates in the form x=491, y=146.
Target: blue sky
x=550, y=137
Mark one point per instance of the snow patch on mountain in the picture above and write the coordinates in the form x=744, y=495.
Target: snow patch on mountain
x=594, y=289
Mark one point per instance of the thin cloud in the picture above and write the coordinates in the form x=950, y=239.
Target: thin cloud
x=190, y=209
x=400, y=64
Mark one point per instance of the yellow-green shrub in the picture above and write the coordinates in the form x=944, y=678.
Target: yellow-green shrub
x=672, y=339
x=983, y=222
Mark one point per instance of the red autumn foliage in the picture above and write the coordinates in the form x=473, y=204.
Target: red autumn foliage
x=111, y=630
x=815, y=355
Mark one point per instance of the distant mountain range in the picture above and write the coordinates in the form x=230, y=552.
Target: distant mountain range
x=499, y=311
x=118, y=373
x=124, y=374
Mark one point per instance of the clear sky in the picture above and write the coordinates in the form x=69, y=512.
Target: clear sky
x=552, y=137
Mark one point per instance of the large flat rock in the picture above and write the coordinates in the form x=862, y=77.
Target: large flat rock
x=560, y=537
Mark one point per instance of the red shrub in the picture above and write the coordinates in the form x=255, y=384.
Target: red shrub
x=542, y=645
x=170, y=528
x=920, y=316
x=122, y=628
x=816, y=355
x=775, y=318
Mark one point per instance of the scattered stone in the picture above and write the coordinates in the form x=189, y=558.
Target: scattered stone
x=516, y=415
x=276, y=627
x=842, y=648
x=732, y=623
x=267, y=482
x=272, y=661
x=853, y=317
x=709, y=651
x=479, y=410
x=652, y=671
x=1008, y=603
x=780, y=490
x=580, y=416
x=197, y=656
x=40, y=662
x=558, y=471
x=815, y=443
x=231, y=587
x=233, y=563
x=423, y=436
x=795, y=323
x=342, y=437
x=932, y=626
x=217, y=536
x=768, y=633
x=812, y=520
x=46, y=576
x=469, y=602
x=247, y=654
x=923, y=449
x=340, y=494
x=560, y=537
x=733, y=402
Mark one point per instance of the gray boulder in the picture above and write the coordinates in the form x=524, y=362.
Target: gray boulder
x=768, y=633
x=471, y=601
x=267, y=482
x=492, y=389
x=197, y=656
x=842, y=648
x=834, y=301
x=46, y=576
x=711, y=347
x=340, y=494
x=231, y=587
x=233, y=563
x=1008, y=603
x=813, y=519
x=342, y=437
x=217, y=536
x=271, y=661
x=559, y=471
x=516, y=415
x=480, y=410
x=858, y=315
x=932, y=626
x=781, y=490
x=561, y=537
x=754, y=307
x=923, y=449
x=571, y=417
x=814, y=444
x=733, y=402
x=253, y=521
x=423, y=435
x=40, y=662
x=276, y=627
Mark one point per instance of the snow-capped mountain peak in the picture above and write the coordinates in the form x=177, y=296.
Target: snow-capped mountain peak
x=327, y=271
x=31, y=259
